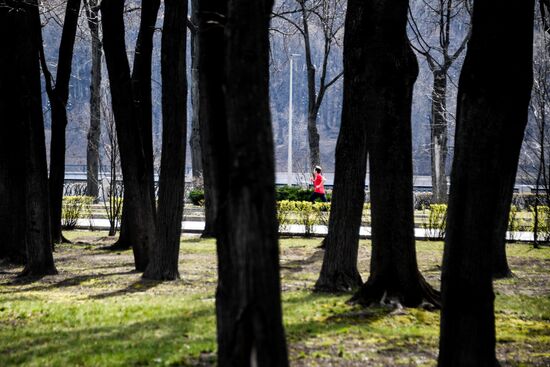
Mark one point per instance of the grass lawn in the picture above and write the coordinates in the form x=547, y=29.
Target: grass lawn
x=98, y=312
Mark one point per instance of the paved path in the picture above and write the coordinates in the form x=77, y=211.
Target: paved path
x=292, y=229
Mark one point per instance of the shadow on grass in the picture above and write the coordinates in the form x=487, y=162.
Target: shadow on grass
x=331, y=315
x=69, y=282
x=183, y=340
x=141, y=285
x=297, y=265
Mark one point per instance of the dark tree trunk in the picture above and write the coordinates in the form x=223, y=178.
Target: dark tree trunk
x=390, y=71
x=163, y=264
x=59, y=96
x=138, y=205
x=213, y=141
x=141, y=88
x=439, y=136
x=26, y=30
x=195, y=139
x=248, y=305
x=493, y=98
x=94, y=132
x=12, y=175
x=339, y=271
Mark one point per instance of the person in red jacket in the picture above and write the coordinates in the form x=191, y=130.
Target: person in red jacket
x=318, y=185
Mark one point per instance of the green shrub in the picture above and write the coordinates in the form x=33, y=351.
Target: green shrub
x=323, y=213
x=293, y=193
x=197, y=197
x=436, y=221
x=73, y=208
x=284, y=210
x=422, y=200
x=513, y=222
x=307, y=216
x=543, y=219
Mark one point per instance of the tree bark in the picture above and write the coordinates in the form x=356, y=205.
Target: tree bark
x=339, y=270
x=248, y=304
x=493, y=97
x=211, y=25
x=59, y=96
x=12, y=176
x=94, y=132
x=24, y=24
x=439, y=136
x=390, y=70
x=195, y=139
x=164, y=256
x=141, y=88
x=138, y=205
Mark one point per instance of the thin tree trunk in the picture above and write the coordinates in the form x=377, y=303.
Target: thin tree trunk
x=391, y=70
x=59, y=96
x=27, y=30
x=439, y=136
x=339, y=271
x=138, y=207
x=493, y=97
x=164, y=256
x=94, y=132
x=141, y=88
x=195, y=139
x=211, y=104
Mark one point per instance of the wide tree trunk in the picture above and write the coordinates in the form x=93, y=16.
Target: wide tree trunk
x=138, y=206
x=12, y=176
x=195, y=139
x=163, y=264
x=211, y=22
x=59, y=96
x=94, y=132
x=339, y=271
x=390, y=71
x=313, y=139
x=493, y=97
x=248, y=304
x=26, y=30
x=439, y=136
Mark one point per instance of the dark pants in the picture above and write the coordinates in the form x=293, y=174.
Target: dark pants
x=316, y=195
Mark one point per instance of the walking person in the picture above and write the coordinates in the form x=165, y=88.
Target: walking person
x=318, y=185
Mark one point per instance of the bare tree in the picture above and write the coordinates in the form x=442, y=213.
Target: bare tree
x=307, y=16
x=163, y=264
x=94, y=131
x=138, y=206
x=440, y=50
x=58, y=94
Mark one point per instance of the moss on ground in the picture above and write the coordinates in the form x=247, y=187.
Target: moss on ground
x=99, y=312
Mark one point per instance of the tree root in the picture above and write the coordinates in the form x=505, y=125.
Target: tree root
x=339, y=282
x=378, y=292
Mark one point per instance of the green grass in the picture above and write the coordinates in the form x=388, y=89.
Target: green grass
x=98, y=312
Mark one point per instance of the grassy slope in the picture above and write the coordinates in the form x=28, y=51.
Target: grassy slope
x=97, y=312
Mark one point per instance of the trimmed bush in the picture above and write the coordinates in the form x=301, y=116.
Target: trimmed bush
x=543, y=222
x=196, y=196
x=73, y=208
x=293, y=193
x=436, y=221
